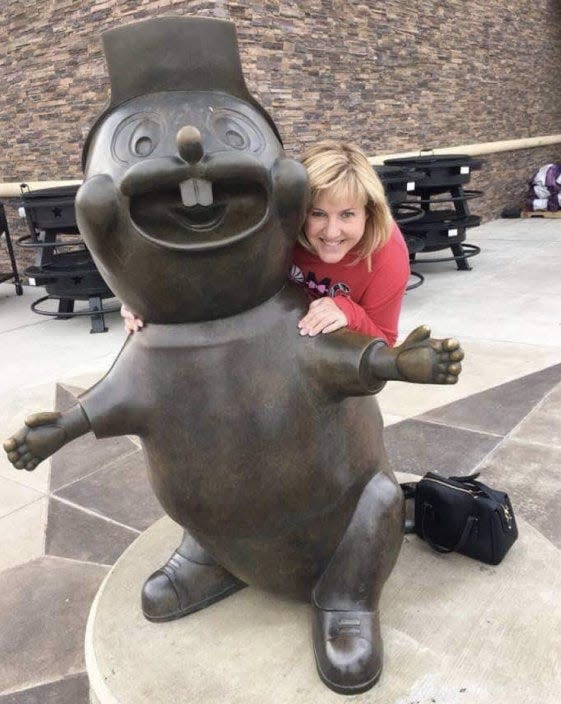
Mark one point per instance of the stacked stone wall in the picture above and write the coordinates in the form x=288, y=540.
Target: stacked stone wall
x=391, y=76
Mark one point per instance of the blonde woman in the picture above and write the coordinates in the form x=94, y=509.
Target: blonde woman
x=350, y=255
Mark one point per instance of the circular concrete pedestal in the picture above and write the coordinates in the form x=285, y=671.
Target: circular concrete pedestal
x=455, y=631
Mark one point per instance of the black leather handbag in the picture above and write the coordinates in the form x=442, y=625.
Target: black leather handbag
x=461, y=514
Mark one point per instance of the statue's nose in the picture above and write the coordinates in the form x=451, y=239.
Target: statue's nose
x=189, y=144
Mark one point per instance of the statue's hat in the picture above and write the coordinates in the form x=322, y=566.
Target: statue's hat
x=174, y=54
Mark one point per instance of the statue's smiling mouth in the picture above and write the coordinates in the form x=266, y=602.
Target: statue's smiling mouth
x=196, y=208
x=199, y=217
x=199, y=211
x=190, y=206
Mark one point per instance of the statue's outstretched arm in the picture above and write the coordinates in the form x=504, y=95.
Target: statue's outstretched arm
x=43, y=434
x=109, y=408
x=347, y=363
x=419, y=359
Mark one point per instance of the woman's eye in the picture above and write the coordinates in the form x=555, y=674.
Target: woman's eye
x=316, y=214
x=348, y=214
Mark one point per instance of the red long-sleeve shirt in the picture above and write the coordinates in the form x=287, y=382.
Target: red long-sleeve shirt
x=371, y=300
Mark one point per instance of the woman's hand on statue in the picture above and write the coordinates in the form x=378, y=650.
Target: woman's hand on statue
x=132, y=323
x=323, y=315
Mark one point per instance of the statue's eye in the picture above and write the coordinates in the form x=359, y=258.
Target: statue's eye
x=143, y=146
x=231, y=132
x=236, y=139
x=236, y=130
x=137, y=137
x=145, y=137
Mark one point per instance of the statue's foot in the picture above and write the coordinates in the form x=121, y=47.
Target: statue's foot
x=348, y=649
x=182, y=586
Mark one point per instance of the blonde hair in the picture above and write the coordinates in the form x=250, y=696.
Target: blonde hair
x=342, y=170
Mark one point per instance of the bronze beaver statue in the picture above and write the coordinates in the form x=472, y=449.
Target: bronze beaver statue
x=265, y=445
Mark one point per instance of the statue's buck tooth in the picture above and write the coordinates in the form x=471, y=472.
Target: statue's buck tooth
x=196, y=191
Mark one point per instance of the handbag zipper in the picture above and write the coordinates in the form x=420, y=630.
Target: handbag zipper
x=504, y=507
x=508, y=515
x=451, y=486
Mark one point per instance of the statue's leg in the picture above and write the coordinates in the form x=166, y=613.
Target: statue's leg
x=190, y=580
x=346, y=625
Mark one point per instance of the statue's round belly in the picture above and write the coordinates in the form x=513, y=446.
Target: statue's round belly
x=262, y=470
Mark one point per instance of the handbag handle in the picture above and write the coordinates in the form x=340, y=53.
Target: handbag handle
x=409, y=491
x=470, y=523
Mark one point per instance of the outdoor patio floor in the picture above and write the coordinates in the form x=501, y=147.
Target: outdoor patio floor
x=64, y=525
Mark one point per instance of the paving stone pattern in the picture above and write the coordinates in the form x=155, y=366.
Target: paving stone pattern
x=71, y=690
x=511, y=433
x=99, y=502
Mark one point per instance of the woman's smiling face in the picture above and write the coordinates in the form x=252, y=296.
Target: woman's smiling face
x=334, y=225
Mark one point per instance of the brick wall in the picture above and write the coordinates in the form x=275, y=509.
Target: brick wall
x=391, y=76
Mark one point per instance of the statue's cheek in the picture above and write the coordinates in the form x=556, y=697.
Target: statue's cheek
x=100, y=208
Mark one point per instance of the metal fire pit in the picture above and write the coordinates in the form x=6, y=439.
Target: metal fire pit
x=441, y=171
x=398, y=183
x=64, y=265
x=13, y=273
x=440, y=227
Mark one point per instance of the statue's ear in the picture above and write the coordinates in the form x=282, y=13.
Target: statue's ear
x=291, y=193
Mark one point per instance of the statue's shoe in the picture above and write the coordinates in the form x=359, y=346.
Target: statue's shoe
x=182, y=586
x=348, y=649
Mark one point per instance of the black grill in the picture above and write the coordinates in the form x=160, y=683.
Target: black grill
x=399, y=182
x=442, y=201
x=13, y=273
x=63, y=265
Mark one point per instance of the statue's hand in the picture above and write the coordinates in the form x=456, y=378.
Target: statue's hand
x=422, y=360
x=41, y=437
